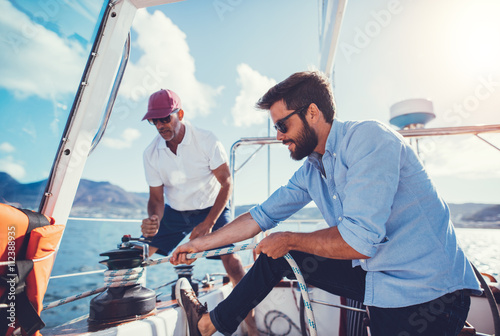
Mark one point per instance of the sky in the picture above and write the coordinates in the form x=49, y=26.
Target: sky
x=220, y=56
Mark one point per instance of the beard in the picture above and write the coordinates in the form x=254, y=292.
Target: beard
x=305, y=143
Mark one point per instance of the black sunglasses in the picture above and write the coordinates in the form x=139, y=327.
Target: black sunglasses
x=281, y=125
x=165, y=120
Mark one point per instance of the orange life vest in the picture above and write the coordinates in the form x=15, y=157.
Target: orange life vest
x=28, y=241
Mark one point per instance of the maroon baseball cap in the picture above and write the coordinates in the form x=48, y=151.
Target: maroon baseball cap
x=162, y=103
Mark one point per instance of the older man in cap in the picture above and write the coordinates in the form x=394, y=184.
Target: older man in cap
x=189, y=183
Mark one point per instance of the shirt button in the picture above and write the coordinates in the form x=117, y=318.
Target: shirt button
x=340, y=218
x=334, y=154
x=334, y=196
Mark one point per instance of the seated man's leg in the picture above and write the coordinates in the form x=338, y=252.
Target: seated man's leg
x=234, y=268
x=443, y=316
x=335, y=276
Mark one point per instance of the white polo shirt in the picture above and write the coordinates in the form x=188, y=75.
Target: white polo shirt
x=187, y=178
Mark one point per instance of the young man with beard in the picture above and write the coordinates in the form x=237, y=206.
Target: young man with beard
x=390, y=242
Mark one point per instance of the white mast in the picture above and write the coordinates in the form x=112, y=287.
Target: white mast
x=331, y=15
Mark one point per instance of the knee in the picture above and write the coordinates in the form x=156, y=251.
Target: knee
x=278, y=266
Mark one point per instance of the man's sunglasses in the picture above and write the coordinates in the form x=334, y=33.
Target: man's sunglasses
x=165, y=120
x=281, y=125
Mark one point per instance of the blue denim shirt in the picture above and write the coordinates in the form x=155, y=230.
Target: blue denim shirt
x=376, y=191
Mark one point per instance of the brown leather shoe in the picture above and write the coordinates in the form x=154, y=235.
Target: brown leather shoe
x=194, y=310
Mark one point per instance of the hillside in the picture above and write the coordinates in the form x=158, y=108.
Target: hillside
x=18, y=194
x=93, y=199
x=105, y=200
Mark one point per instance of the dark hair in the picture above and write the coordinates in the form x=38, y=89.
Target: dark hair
x=300, y=89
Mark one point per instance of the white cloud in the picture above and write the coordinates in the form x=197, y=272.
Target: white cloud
x=253, y=85
x=36, y=61
x=6, y=147
x=466, y=157
x=126, y=139
x=165, y=62
x=12, y=168
x=86, y=8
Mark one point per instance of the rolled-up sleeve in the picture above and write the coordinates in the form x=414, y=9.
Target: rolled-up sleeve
x=283, y=203
x=217, y=155
x=371, y=182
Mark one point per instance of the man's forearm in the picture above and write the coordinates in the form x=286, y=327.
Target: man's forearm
x=327, y=243
x=156, y=208
x=243, y=227
x=219, y=204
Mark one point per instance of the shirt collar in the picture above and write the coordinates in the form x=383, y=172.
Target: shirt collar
x=315, y=159
x=188, y=134
x=335, y=136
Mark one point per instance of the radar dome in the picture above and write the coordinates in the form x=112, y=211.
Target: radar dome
x=412, y=113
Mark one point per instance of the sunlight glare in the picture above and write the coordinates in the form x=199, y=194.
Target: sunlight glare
x=476, y=45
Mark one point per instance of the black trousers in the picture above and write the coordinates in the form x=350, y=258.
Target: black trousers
x=444, y=316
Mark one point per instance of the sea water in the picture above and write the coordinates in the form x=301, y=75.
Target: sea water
x=85, y=239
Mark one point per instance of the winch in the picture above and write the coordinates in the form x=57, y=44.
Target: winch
x=125, y=297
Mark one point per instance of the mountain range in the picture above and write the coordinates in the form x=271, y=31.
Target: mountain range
x=105, y=200
x=93, y=199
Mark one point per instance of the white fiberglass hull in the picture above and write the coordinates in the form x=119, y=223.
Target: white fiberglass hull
x=278, y=313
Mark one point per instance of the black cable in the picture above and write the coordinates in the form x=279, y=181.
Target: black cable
x=302, y=313
x=270, y=324
x=491, y=300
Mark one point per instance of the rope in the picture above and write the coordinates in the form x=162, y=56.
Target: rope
x=46, y=257
x=251, y=246
x=75, y=274
x=11, y=262
x=204, y=254
x=112, y=278
x=73, y=298
x=305, y=295
x=125, y=277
